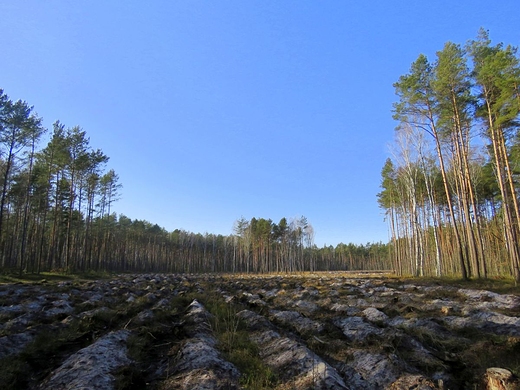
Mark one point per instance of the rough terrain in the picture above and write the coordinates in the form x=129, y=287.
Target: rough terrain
x=319, y=331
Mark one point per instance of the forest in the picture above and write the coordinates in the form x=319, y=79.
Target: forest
x=450, y=189
x=56, y=214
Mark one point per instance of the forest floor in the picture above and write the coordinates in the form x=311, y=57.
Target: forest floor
x=301, y=331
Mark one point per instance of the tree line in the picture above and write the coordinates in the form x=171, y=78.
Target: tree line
x=450, y=190
x=56, y=201
x=256, y=246
x=56, y=213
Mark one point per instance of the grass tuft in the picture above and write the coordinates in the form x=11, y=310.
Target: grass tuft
x=234, y=343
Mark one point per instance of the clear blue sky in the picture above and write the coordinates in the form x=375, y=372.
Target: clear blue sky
x=213, y=110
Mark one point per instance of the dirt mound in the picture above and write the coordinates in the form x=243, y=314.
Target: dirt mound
x=323, y=331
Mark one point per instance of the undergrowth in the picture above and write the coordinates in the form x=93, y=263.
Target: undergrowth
x=490, y=350
x=151, y=344
x=234, y=343
x=47, y=349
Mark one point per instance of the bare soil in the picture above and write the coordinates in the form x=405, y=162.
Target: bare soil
x=312, y=331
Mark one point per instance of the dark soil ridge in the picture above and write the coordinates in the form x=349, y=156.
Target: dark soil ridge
x=319, y=331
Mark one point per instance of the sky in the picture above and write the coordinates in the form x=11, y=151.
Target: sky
x=215, y=110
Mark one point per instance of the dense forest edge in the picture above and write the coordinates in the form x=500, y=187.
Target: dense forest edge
x=449, y=191
x=56, y=214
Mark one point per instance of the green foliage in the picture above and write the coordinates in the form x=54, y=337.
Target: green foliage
x=56, y=214
x=46, y=350
x=485, y=350
x=13, y=373
x=143, y=346
x=233, y=336
x=456, y=213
